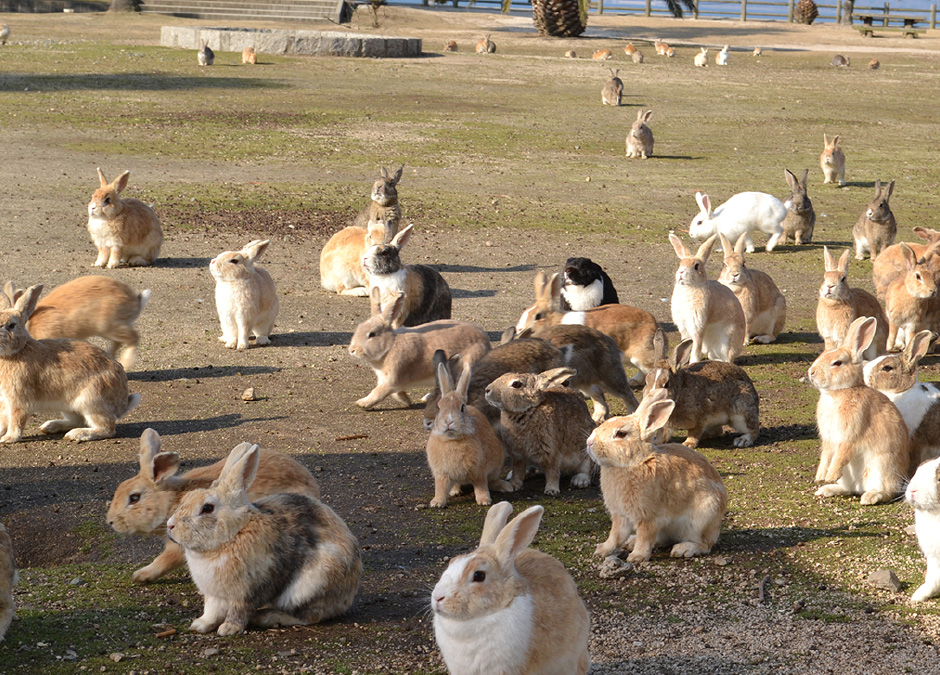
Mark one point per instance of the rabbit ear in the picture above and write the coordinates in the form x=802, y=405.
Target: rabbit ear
x=26, y=303
x=655, y=416
x=121, y=181
x=927, y=234
x=397, y=176
x=907, y=253
x=859, y=336
x=679, y=246
x=805, y=177
x=556, y=376
x=705, y=250
x=149, y=448
x=104, y=181
x=919, y=345
x=402, y=238
x=384, y=172
x=660, y=348
x=392, y=311
x=11, y=292
x=508, y=336
x=647, y=115
x=443, y=379
x=725, y=244
x=518, y=534
x=739, y=244
x=835, y=141
x=254, y=250
x=541, y=284
x=375, y=300
x=556, y=284
x=5, y=301
x=495, y=521
x=700, y=200
x=889, y=189
x=241, y=473
x=682, y=355
x=463, y=384
x=830, y=261
x=525, y=332
x=236, y=454
x=791, y=179
x=164, y=465
x=844, y=261
x=877, y=188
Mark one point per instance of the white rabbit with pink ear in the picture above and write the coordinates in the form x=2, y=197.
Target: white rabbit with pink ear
x=744, y=213
x=245, y=296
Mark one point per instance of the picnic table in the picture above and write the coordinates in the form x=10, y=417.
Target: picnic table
x=868, y=27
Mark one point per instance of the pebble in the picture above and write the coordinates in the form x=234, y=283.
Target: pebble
x=117, y=657
x=77, y=581
x=211, y=651
x=615, y=568
x=249, y=394
x=885, y=579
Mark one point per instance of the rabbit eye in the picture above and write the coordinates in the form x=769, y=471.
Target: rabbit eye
x=837, y=363
x=887, y=369
x=371, y=334
x=917, y=276
x=107, y=200
x=620, y=433
x=539, y=316
x=233, y=261
x=10, y=326
x=695, y=267
x=463, y=408
x=134, y=498
x=208, y=508
x=479, y=576
x=516, y=384
x=842, y=279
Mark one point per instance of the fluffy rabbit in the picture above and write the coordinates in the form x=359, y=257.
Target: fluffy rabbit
x=890, y=263
x=874, y=64
x=840, y=305
x=910, y=300
x=249, y=55
x=544, y=423
x=876, y=227
x=721, y=58
x=586, y=285
x=660, y=47
x=657, y=495
x=205, y=56
x=341, y=268
x=745, y=212
x=923, y=494
x=404, y=357
x=801, y=218
x=284, y=560
x=840, y=61
x=631, y=328
x=69, y=376
x=895, y=376
x=451, y=46
x=486, y=46
x=571, y=54
x=865, y=443
x=705, y=311
x=142, y=504
x=612, y=93
x=8, y=579
x=245, y=296
x=637, y=56
x=629, y=49
x=505, y=608
x=765, y=308
x=707, y=395
x=427, y=295
x=640, y=136
x=125, y=231
x=602, y=55
x=832, y=161
x=4, y=33
x=701, y=59
x=89, y=306
x=462, y=447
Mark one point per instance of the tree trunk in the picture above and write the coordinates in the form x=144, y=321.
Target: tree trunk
x=560, y=18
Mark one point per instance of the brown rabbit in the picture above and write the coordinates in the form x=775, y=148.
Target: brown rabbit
x=801, y=218
x=602, y=55
x=640, y=136
x=832, y=161
x=486, y=46
x=876, y=227
x=910, y=300
x=249, y=55
x=839, y=305
x=612, y=93
x=125, y=231
x=890, y=263
x=765, y=308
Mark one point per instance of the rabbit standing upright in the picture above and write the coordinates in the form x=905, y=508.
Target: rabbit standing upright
x=765, y=308
x=832, y=161
x=721, y=58
x=801, y=217
x=701, y=59
x=640, y=136
x=612, y=93
x=876, y=227
x=245, y=296
x=205, y=56
x=839, y=305
x=505, y=608
x=125, y=231
x=284, y=560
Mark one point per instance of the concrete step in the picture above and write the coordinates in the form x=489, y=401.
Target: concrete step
x=238, y=9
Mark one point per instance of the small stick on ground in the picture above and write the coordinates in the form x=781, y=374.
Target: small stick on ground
x=354, y=437
x=760, y=589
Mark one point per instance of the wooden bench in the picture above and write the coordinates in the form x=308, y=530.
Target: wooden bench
x=867, y=28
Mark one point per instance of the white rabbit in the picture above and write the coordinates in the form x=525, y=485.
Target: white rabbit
x=923, y=493
x=721, y=58
x=745, y=212
x=245, y=296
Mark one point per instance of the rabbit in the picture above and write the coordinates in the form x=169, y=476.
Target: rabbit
x=505, y=608
x=910, y=300
x=486, y=46
x=701, y=59
x=245, y=296
x=462, y=447
x=745, y=212
x=522, y=355
x=571, y=54
x=640, y=136
x=632, y=329
x=671, y=52
x=451, y=46
x=721, y=58
x=602, y=55
x=249, y=55
x=4, y=33
x=9, y=577
x=876, y=227
x=285, y=559
x=404, y=357
x=637, y=56
x=427, y=295
x=757, y=52
x=629, y=49
x=142, y=504
x=890, y=263
x=545, y=423
x=865, y=442
x=923, y=495
x=705, y=311
x=341, y=268
x=205, y=56
x=657, y=495
x=125, y=231
x=586, y=285
x=840, y=61
x=801, y=218
x=707, y=395
x=874, y=64
x=69, y=376
x=895, y=376
x=612, y=93
x=89, y=306
x=660, y=47
x=765, y=308
x=840, y=305
x=832, y=161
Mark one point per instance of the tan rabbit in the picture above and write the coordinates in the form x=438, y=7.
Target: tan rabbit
x=284, y=560
x=341, y=268
x=8, y=579
x=629, y=50
x=701, y=59
x=404, y=357
x=865, y=443
x=72, y=377
x=142, y=504
x=910, y=300
x=612, y=93
x=462, y=447
x=545, y=423
x=890, y=263
x=660, y=47
x=602, y=55
x=125, y=231
x=832, y=161
x=721, y=58
x=765, y=308
x=486, y=46
x=245, y=296
x=839, y=305
x=657, y=495
x=249, y=55
x=640, y=136
x=895, y=376
x=505, y=608
x=451, y=46
x=90, y=306
x=571, y=54
x=876, y=227
x=705, y=311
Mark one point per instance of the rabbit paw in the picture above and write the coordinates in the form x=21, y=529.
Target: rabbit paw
x=604, y=550
x=744, y=441
x=146, y=575
x=230, y=628
x=581, y=480
x=455, y=491
x=687, y=549
x=638, y=557
x=262, y=340
x=229, y=344
x=925, y=592
x=438, y=503
x=552, y=491
x=484, y=501
x=11, y=438
x=201, y=625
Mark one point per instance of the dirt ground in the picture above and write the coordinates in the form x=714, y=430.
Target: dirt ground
x=378, y=481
